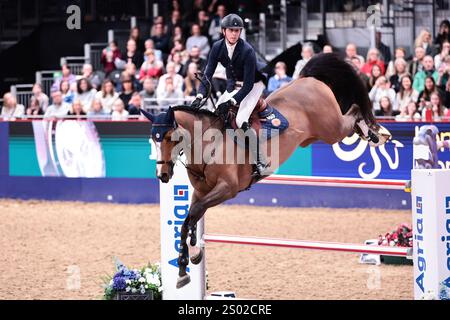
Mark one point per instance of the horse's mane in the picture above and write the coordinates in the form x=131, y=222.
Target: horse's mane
x=198, y=112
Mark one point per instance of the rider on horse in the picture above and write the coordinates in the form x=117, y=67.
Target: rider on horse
x=244, y=80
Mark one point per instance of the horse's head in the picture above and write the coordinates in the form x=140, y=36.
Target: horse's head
x=163, y=126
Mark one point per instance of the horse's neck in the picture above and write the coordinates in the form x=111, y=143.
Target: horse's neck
x=187, y=120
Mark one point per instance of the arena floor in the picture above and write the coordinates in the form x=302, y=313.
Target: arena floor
x=44, y=243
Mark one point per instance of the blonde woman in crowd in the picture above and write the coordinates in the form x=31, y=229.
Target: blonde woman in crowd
x=425, y=41
x=107, y=95
x=119, y=113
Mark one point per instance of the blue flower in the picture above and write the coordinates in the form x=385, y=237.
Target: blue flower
x=119, y=282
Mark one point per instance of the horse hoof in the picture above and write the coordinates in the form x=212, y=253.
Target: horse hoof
x=182, y=281
x=197, y=257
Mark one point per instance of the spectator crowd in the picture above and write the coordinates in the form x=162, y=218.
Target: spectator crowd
x=159, y=69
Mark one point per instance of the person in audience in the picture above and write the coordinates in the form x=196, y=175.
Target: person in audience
x=170, y=95
x=437, y=107
x=119, y=113
x=408, y=112
x=66, y=75
x=77, y=110
x=109, y=56
x=58, y=108
x=215, y=30
x=107, y=95
x=85, y=93
x=375, y=74
x=356, y=62
x=175, y=21
x=198, y=40
x=373, y=58
x=386, y=109
x=443, y=72
x=176, y=59
x=148, y=94
x=406, y=93
x=385, y=52
x=203, y=22
x=428, y=71
x=96, y=111
x=351, y=51
x=177, y=80
x=178, y=46
x=133, y=55
x=279, y=79
x=134, y=107
x=130, y=70
x=151, y=68
x=439, y=58
x=194, y=56
x=89, y=75
x=425, y=95
x=34, y=109
x=400, y=52
x=327, y=49
x=127, y=89
x=161, y=40
x=67, y=92
x=416, y=64
x=150, y=45
x=379, y=90
x=191, y=84
x=40, y=96
x=307, y=54
x=443, y=35
x=425, y=41
x=135, y=34
x=11, y=109
x=401, y=69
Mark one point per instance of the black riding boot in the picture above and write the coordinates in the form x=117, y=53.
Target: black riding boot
x=261, y=160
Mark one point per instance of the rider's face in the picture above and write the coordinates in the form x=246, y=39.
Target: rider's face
x=232, y=35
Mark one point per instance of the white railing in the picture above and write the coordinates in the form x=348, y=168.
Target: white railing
x=75, y=63
x=46, y=78
x=22, y=92
x=93, y=54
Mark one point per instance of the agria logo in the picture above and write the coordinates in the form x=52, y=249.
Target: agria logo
x=444, y=286
x=180, y=199
x=421, y=263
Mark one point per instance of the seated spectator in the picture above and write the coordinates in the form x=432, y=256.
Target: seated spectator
x=203, y=22
x=127, y=89
x=131, y=71
x=133, y=55
x=89, y=75
x=109, y=56
x=191, y=84
x=307, y=54
x=151, y=68
x=96, y=111
x=375, y=74
x=399, y=53
x=435, y=106
x=425, y=95
x=85, y=93
x=428, y=71
x=198, y=40
x=408, y=112
x=443, y=72
x=134, y=107
x=135, y=34
x=150, y=45
x=11, y=110
x=215, y=29
x=170, y=95
x=174, y=22
x=107, y=95
x=356, y=62
x=401, y=69
x=194, y=56
x=158, y=20
x=178, y=46
x=34, y=109
x=327, y=49
x=279, y=79
x=386, y=109
x=351, y=51
x=425, y=41
x=161, y=40
x=66, y=76
x=406, y=93
x=41, y=97
x=177, y=80
x=446, y=95
x=58, y=108
x=385, y=52
x=439, y=58
x=119, y=113
x=381, y=89
x=67, y=92
x=176, y=59
x=177, y=35
x=373, y=58
x=443, y=35
x=77, y=110
x=416, y=64
x=148, y=93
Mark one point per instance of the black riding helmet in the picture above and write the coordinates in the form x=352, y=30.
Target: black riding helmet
x=232, y=21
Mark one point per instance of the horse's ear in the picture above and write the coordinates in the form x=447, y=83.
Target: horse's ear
x=148, y=115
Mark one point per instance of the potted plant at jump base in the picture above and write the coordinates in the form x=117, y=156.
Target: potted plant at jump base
x=401, y=237
x=133, y=284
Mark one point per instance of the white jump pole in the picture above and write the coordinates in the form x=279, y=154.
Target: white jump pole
x=431, y=227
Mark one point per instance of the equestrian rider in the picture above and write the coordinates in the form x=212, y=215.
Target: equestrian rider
x=244, y=79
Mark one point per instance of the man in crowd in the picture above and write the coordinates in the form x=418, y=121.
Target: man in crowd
x=58, y=108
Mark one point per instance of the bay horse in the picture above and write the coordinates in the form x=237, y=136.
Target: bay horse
x=328, y=102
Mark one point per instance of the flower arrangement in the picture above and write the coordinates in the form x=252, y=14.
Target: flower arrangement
x=401, y=237
x=144, y=281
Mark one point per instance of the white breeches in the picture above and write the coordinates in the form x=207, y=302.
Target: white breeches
x=247, y=104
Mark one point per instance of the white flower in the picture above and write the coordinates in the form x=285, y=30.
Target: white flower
x=111, y=282
x=146, y=286
x=128, y=289
x=128, y=281
x=142, y=290
x=141, y=279
x=133, y=290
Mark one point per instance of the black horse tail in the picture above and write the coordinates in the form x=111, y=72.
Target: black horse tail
x=341, y=77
